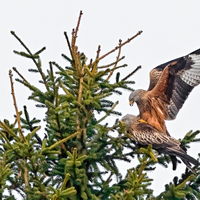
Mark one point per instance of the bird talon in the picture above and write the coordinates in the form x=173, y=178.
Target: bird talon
x=143, y=121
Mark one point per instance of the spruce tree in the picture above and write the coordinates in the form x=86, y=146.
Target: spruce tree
x=76, y=158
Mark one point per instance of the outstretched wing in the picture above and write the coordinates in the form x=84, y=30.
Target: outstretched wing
x=184, y=75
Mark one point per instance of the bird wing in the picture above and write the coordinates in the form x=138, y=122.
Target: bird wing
x=146, y=134
x=174, y=84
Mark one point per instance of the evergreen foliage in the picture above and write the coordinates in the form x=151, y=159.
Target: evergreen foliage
x=77, y=157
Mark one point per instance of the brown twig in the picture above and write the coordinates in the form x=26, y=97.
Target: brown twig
x=90, y=62
x=109, y=65
x=27, y=49
x=111, y=73
x=79, y=100
x=98, y=51
x=75, y=54
x=127, y=41
x=68, y=43
x=133, y=72
x=74, y=32
x=109, y=178
x=15, y=104
x=80, y=88
x=79, y=19
x=15, y=69
x=26, y=178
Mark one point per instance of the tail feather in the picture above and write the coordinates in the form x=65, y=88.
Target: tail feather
x=174, y=161
x=179, y=152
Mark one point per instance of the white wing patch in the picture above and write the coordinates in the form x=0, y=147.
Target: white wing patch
x=192, y=75
x=172, y=110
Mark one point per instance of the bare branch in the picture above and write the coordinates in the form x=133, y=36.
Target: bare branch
x=15, y=69
x=127, y=41
x=133, y=72
x=109, y=65
x=68, y=43
x=111, y=73
x=15, y=104
x=27, y=49
x=26, y=178
x=98, y=51
x=79, y=19
x=74, y=49
x=74, y=32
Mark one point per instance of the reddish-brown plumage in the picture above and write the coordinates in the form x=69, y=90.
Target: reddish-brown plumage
x=170, y=85
x=154, y=113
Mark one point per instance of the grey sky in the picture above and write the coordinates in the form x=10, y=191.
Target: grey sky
x=170, y=29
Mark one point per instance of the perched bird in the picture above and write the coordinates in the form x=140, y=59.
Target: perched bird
x=170, y=85
x=145, y=134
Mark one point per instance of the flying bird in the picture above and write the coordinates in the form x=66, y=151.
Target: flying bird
x=145, y=134
x=170, y=85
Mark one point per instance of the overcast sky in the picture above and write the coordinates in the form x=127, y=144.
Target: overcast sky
x=170, y=29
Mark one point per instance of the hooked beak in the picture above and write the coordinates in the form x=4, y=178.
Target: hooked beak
x=131, y=103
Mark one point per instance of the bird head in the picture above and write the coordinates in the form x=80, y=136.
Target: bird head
x=129, y=119
x=135, y=96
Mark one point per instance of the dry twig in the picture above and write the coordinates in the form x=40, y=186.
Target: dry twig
x=98, y=51
x=127, y=41
x=74, y=32
x=68, y=43
x=15, y=104
x=26, y=178
x=133, y=72
x=111, y=73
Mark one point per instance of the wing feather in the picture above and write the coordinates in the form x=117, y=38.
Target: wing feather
x=184, y=75
x=145, y=134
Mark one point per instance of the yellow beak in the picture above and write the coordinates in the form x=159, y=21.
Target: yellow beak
x=131, y=103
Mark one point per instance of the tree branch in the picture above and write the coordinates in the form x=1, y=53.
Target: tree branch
x=111, y=73
x=15, y=104
x=68, y=43
x=127, y=41
x=133, y=72
x=74, y=33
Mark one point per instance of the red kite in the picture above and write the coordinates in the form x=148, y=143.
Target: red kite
x=145, y=134
x=170, y=85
